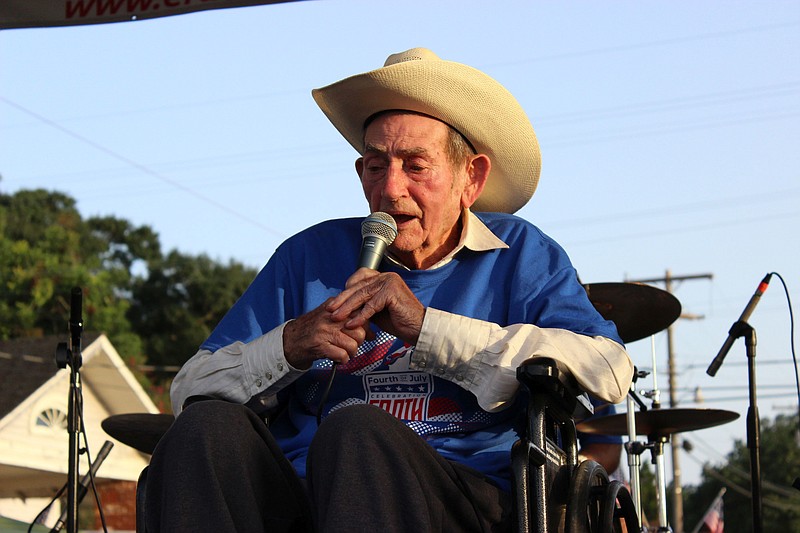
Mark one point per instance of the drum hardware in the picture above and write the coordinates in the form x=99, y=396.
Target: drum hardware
x=655, y=394
x=633, y=448
x=638, y=310
x=658, y=425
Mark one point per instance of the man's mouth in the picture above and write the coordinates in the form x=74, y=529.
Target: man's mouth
x=402, y=219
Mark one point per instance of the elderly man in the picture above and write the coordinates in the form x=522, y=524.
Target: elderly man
x=391, y=395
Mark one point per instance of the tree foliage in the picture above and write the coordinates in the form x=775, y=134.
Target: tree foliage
x=46, y=249
x=780, y=466
x=180, y=302
x=155, y=308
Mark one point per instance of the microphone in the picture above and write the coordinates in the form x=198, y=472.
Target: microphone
x=748, y=310
x=378, y=231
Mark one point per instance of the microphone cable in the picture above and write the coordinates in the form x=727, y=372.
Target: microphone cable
x=791, y=342
x=326, y=393
x=88, y=479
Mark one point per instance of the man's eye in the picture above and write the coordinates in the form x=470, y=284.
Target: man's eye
x=415, y=167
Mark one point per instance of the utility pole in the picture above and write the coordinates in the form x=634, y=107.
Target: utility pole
x=677, y=488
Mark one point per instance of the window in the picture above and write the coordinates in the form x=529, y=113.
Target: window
x=53, y=419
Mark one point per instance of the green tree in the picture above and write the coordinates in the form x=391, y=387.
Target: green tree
x=46, y=248
x=180, y=302
x=154, y=308
x=780, y=466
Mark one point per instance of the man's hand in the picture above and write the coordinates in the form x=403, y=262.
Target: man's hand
x=382, y=298
x=317, y=335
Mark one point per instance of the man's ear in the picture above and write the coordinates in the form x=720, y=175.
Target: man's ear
x=359, y=166
x=477, y=173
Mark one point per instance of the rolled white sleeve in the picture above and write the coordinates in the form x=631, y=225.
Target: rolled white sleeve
x=483, y=357
x=236, y=372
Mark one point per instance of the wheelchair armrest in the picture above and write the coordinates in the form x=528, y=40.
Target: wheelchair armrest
x=266, y=414
x=197, y=398
x=542, y=375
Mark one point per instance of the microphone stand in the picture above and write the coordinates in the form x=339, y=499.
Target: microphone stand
x=743, y=329
x=739, y=329
x=72, y=357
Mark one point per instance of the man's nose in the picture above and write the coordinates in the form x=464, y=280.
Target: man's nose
x=395, y=182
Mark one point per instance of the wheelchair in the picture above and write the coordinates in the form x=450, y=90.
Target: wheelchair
x=553, y=491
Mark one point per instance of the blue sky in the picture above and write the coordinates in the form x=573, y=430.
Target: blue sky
x=668, y=130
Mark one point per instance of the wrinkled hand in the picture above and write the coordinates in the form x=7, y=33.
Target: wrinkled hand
x=317, y=335
x=382, y=298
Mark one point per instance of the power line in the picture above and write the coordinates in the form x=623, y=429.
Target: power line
x=784, y=506
x=735, y=387
x=652, y=44
x=672, y=104
x=593, y=137
x=698, y=227
x=671, y=210
x=742, y=363
x=715, y=399
x=142, y=168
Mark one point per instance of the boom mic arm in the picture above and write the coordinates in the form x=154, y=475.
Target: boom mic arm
x=733, y=333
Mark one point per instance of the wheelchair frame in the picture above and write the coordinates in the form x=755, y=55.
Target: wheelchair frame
x=553, y=490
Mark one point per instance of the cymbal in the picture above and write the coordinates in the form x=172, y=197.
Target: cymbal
x=658, y=422
x=141, y=431
x=638, y=310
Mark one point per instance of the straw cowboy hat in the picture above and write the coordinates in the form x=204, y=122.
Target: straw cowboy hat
x=465, y=98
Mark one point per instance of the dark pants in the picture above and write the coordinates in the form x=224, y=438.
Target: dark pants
x=219, y=469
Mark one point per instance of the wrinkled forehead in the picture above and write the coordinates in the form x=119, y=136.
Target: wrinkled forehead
x=389, y=112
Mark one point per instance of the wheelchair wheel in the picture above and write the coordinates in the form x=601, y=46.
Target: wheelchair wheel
x=587, y=493
x=597, y=505
x=618, y=509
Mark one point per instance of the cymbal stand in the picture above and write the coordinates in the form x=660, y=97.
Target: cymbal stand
x=655, y=394
x=656, y=445
x=634, y=448
x=657, y=452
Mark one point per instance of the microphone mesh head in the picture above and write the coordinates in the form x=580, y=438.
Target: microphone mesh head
x=381, y=225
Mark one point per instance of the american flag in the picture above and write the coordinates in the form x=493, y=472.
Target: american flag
x=714, y=519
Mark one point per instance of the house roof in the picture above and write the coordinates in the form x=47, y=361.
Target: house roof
x=33, y=403
x=25, y=365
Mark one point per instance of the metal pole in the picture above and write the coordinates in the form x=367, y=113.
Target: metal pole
x=634, y=461
x=675, y=444
x=675, y=447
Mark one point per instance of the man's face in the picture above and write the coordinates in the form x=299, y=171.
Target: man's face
x=406, y=173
